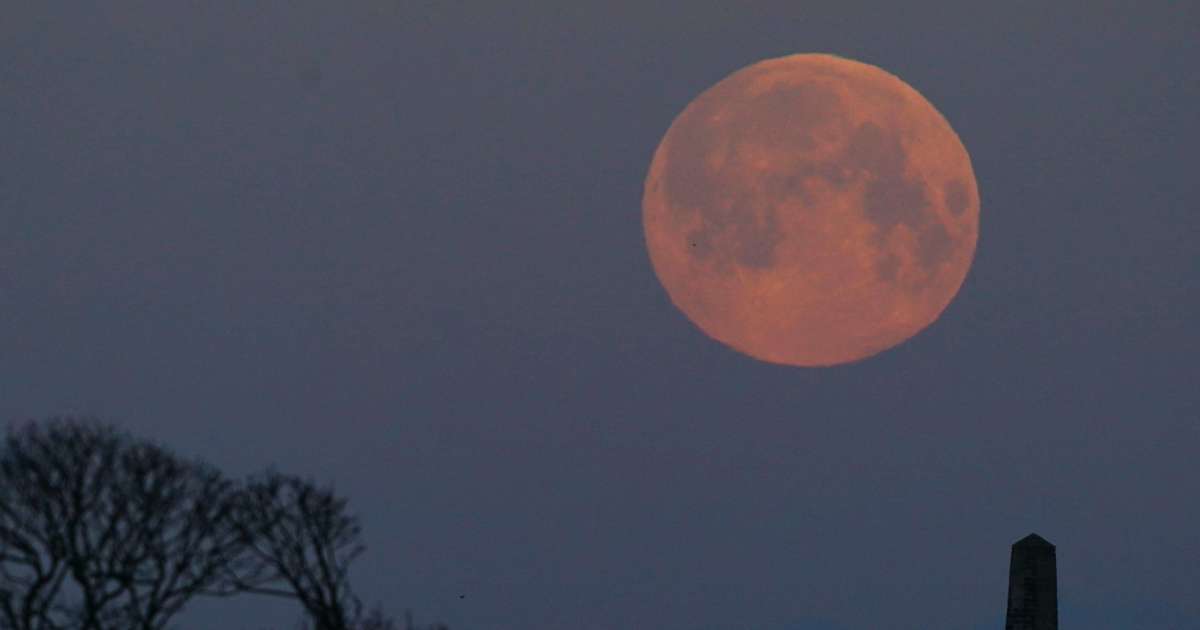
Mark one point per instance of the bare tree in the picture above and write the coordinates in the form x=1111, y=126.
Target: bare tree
x=99, y=531
x=137, y=530
x=303, y=539
x=47, y=481
x=173, y=536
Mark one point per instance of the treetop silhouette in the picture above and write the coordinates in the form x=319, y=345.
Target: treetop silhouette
x=103, y=531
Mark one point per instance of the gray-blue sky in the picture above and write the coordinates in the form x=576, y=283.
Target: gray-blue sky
x=398, y=246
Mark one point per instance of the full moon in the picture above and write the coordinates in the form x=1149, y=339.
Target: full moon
x=811, y=210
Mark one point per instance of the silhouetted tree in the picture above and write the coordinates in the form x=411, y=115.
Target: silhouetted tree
x=303, y=538
x=33, y=528
x=137, y=530
x=99, y=531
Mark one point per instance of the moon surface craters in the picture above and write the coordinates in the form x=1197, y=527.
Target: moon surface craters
x=892, y=198
x=957, y=199
x=724, y=162
x=735, y=152
x=750, y=236
x=810, y=210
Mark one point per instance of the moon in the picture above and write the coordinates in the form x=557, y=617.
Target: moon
x=811, y=210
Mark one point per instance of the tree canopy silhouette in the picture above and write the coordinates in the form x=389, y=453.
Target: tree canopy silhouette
x=300, y=535
x=136, y=530
x=102, y=531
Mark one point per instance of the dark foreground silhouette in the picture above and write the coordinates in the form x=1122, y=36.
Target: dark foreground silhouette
x=1032, y=585
x=103, y=531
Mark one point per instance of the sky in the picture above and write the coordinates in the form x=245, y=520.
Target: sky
x=397, y=247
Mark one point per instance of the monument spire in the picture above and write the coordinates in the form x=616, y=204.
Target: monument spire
x=1032, y=586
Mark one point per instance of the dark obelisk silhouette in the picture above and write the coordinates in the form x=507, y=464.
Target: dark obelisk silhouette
x=1032, y=586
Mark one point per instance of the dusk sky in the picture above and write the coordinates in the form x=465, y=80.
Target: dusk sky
x=398, y=247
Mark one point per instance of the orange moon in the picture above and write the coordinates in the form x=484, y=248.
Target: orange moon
x=811, y=210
